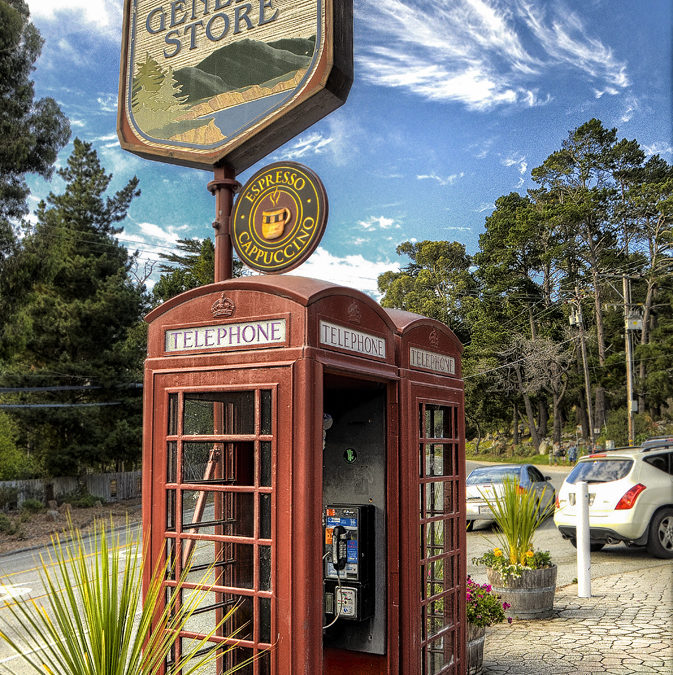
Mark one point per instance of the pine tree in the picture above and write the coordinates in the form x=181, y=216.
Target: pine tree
x=75, y=322
x=31, y=132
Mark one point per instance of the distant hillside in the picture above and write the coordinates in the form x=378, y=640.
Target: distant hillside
x=197, y=84
x=243, y=64
x=301, y=46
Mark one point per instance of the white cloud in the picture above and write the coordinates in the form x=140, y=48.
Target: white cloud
x=484, y=207
x=519, y=161
x=657, y=148
x=310, y=144
x=448, y=180
x=105, y=17
x=354, y=271
x=379, y=223
x=481, y=53
x=566, y=40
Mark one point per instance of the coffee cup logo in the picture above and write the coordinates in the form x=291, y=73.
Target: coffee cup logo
x=279, y=217
x=274, y=222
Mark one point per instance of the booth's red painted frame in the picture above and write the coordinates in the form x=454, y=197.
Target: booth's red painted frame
x=425, y=550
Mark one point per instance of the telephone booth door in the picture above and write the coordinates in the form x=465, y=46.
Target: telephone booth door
x=215, y=489
x=432, y=497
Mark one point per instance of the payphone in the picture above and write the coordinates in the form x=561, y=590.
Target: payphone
x=349, y=562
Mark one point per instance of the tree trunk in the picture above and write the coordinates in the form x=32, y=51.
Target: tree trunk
x=535, y=438
x=515, y=425
x=543, y=417
x=600, y=410
x=558, y=422
x=581, y=415
x=644, y=339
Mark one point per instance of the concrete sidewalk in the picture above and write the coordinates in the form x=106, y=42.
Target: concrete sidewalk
x=626, y=626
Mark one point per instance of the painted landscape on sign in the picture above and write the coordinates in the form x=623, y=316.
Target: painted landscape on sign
x=205, y=103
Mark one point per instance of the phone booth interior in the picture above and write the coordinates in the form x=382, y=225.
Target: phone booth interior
x=276, y=477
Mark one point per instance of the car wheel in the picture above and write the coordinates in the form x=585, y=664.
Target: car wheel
x=660, y=539
x=470, y=525
x=594, y=546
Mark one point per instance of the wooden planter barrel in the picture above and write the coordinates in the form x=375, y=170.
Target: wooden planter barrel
x=475, y=649
x=530, y=596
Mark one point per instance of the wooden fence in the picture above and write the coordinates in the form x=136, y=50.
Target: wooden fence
x=108, y=487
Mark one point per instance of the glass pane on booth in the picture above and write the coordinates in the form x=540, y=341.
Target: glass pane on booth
x=218, y=486
x=439, y=540
x=207, y=414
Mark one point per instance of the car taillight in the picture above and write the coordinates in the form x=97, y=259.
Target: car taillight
x=598, y=454
x=629, y=498
x=521, y=490
x=557, y=503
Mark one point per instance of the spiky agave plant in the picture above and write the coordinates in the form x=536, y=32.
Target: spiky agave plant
x=518, y=513
x=92, y=619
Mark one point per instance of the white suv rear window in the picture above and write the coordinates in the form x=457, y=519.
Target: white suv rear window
x=600, y=470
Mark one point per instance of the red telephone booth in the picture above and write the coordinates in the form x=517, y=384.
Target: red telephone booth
x=304, y=446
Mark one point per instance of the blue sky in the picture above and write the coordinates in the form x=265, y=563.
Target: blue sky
x=454, y=103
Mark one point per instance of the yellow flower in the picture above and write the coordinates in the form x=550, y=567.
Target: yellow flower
x=497, y=552
x=529, y=554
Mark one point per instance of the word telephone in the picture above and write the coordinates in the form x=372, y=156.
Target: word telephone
x=349, y=561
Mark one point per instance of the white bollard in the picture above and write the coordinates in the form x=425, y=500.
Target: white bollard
x=583, y=550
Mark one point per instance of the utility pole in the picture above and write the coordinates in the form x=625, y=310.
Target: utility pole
x=585, y=363
x=629, y=325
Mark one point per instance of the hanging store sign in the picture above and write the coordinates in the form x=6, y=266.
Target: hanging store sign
x=279, y=217
x=208, y=81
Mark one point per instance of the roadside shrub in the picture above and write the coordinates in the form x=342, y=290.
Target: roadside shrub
x=7, y=525
x=81, y=501
x=32, y=505
x=9, y=497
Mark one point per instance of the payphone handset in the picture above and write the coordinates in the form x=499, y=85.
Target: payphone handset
x=349, y=561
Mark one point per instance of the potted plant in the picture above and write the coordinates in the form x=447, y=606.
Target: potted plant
x=484, y=608
x=520, y=575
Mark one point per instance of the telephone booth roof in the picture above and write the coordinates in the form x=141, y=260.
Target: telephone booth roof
x=302, y=290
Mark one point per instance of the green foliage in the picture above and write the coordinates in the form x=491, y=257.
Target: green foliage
x=81, y=500
x=73, y=321
x=193, y=265
x=600, y=209
x=617, y=428
x=32, y=506
x=31, y=132
x=7, y=525
x=435, y=283
x=92, y=619
x=8, y=498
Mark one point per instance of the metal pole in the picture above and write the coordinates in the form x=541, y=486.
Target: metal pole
x=585, y=362
x=224, y=186
x=583, y=545
x=626, y=284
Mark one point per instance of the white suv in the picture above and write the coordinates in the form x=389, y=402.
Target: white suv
x=630, y=498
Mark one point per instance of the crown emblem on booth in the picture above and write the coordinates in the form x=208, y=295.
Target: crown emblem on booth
x=223, y=306
x=354, y=313
x=434, y=338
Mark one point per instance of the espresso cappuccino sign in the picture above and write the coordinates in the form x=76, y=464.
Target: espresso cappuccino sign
x=204, y=81
x=279, y=217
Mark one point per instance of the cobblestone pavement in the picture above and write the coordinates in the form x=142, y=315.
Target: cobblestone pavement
x=626, y=626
